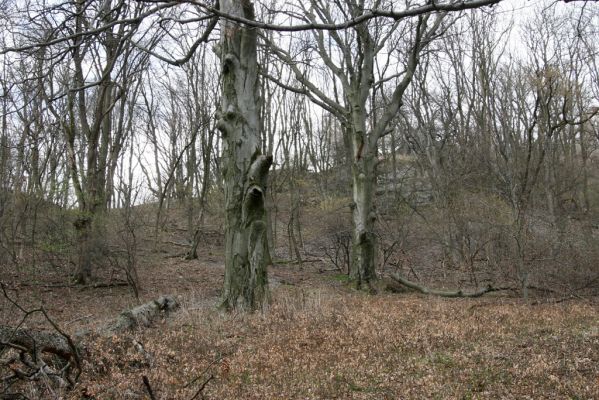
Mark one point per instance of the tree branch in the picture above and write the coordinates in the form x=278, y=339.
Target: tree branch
x=445, y=293
x=360, y=19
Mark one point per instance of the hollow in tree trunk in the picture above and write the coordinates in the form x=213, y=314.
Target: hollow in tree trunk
x=245, y=168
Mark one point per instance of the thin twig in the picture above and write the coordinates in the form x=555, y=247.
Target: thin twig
x=202, y=387
x=148, y=387
x=194, y=380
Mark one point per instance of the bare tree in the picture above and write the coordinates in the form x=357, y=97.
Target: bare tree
x=350, y=58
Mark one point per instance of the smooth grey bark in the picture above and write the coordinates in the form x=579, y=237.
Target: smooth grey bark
x=245, y=169
x=356, y=73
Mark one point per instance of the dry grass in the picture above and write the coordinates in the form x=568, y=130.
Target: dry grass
x=318, y=339
x=326, y=343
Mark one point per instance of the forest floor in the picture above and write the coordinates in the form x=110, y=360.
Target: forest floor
x=319, y=338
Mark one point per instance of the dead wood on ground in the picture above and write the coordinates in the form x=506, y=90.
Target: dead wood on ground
x=143, y=315
x=446, y=293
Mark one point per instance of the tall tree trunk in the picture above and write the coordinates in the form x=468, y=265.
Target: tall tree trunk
x=363, y=217
x=4, y=147
x=245, y=169
x=83, y=227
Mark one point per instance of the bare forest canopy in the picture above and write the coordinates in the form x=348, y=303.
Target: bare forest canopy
x=476, y=119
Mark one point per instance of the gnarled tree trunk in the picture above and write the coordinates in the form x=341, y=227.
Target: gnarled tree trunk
x=245, y=169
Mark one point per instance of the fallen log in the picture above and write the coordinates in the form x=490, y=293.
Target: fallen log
x=446, y=293
x=53, y=357
x=143, y=315
x=308, y=260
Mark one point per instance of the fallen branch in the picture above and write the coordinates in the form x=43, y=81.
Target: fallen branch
x=180, y=244
x=310, y=260
x=201, y=389
x=96, y=285
x=446, y=293
x=32, y=345
x=33, y=340
x=52, y=357
x=99, y=285
x=44, y=285
x=148, y=387
x=144, y=315
x=323, y=270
